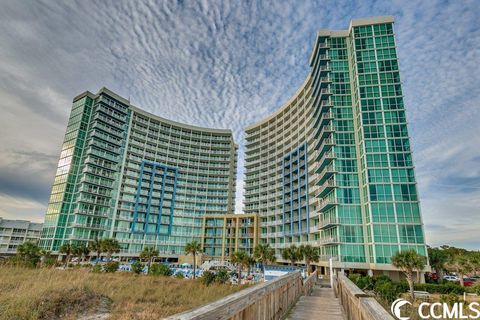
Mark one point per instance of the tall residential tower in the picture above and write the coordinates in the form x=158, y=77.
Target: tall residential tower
x=333, y=166
x=126, y=174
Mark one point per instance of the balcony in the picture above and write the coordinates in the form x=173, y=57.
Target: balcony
x=324, y=69
x=326, y=144
x=329, y=240
x=323, y=45
x=326, y=173
x=328, y=222
x=326, y=130
x=324, y=57
x=325, y=204
x=325, y=80
x=326, y=158
x=327, y=187
x=325, y=117
x=325, y=91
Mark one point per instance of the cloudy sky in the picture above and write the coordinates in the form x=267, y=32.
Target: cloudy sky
x=229, y=64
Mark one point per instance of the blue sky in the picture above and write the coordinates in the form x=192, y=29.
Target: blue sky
x=229, y=64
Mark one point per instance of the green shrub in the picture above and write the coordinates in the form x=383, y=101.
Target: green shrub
x=159, y=269
x=179, y=275
x=97, y=268
x=450, y=299
x=207, y=278
x=49, y=262
x=222, y=276
x=354, y=277
x=137, y=267
x=388, y=290
x=365, y=283
x=111, y=266
x=476, y=289
x=445, y=288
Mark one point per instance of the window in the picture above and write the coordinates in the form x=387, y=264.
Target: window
x=410, y=233
x=377, y=160
x=382, y=212
x=405, y=192
x=384, y=41
x=366, y=67
x=368, y=79
x=385, y=233
x=378, y=175
x=387, y=65
x=380, y=192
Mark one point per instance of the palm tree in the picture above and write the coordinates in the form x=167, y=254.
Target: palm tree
x=44, y=254
x=238, y=259
x=264, y=254
x=193, y=248
x=29, y=252
x=309, y=255
x=110, y=246
x=248, y=262
x=96, y=246
x=408, y=261
x=66, y=249
x=84, y=251
x=461, y=264
x=292, y=254
x=77, y=250
x=149, y=253
x=438, y=259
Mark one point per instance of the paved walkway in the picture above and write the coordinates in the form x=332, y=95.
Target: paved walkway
x=321, y=304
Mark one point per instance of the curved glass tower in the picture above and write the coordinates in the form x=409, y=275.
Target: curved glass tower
x=127, y=174
x=333, y=166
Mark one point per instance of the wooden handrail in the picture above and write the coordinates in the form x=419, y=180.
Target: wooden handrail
x=269, y=300
x=356, y=303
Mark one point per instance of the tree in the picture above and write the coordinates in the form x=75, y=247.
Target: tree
x=66, y=249
x=148, y=254
x=292, y=254
x=84, y=252
x=461, y=264
x=438, y=258
x=309, y=255
x=110, y=246
x=408, y=261
x=137, y=267
x=237, y=259
x=80, y=251
x=96, y=246
x=264, y=254
x=29, y=253
x=193, y=248
x=44, y=255
x=248, y=262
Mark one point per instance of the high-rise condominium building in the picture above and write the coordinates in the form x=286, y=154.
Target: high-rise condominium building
x=333, y=166
x=146, y=181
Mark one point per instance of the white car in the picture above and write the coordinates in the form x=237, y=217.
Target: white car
x=451, y=278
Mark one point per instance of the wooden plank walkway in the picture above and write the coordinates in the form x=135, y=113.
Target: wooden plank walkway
x=321, y=304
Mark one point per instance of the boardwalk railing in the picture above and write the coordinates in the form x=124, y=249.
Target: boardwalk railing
x=266, y=301
x=356, y=303
x=309, y=283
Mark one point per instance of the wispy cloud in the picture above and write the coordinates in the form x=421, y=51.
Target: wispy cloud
x=230, y=64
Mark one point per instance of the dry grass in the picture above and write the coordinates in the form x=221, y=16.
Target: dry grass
x=55, y=294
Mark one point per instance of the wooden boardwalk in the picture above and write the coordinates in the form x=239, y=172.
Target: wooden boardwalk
x=321, y=304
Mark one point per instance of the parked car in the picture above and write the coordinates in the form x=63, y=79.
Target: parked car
x=451, y=278
x=468, y=282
